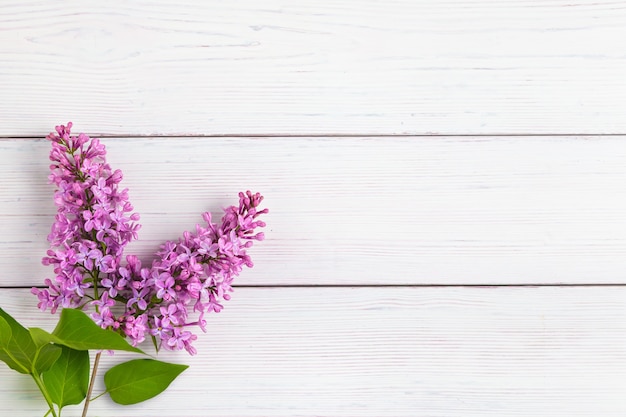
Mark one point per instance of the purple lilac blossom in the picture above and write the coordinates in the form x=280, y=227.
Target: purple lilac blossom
x=93, y=225
x=193, y=275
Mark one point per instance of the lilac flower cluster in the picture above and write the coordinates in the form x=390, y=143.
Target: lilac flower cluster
x=93, y=225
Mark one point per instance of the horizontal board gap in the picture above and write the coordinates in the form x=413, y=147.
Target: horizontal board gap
x=337, y=135
x=20, y=287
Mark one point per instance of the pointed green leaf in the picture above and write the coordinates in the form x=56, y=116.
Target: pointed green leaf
x=40, y=336
x=17, y=347
x=67, y=380
x=76, y=330
x=140, y=379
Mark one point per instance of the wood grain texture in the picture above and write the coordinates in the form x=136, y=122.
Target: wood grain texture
x=407, y=142
x=313, y=67
x=360, y=210
x=439, y=352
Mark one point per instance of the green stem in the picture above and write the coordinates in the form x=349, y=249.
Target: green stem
x=91, y=383
x=45, y=394
x=99, y=395
x=97, y=359
x=39, y=383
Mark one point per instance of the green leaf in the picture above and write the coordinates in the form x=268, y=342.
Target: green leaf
x=47, y=353
x=46, y=357
x=140, y=379
x=17, y=346
x=68, y=379
x=76, y=330
x=40, y=336
x=5, y=332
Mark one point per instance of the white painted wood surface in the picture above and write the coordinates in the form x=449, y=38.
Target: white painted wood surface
x=502, y=210
x=311, y=66
x=403, y=275
x=441, y=352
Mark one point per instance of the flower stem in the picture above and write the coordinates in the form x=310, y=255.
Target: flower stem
x=45, y=394
x=91, y=383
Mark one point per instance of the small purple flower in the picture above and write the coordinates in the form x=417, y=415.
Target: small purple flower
x=135, y=328
x=139, y=298
x=170, y=315
x=181, y=339
x=160, y=329
x=101, y=190
x=104, y=318
x=165, y=285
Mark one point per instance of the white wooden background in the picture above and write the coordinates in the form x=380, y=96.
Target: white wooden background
x=446, y=180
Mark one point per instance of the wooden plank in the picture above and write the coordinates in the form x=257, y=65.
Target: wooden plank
x=313, y=67
x=551, y=351
x=360, y=210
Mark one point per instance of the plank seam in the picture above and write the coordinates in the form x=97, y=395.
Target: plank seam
x=530, y=285
x=337, y=135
